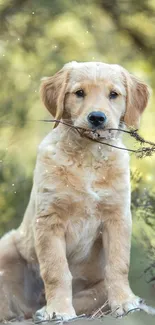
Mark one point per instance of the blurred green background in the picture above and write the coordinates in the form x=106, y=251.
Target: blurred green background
x=36, y=38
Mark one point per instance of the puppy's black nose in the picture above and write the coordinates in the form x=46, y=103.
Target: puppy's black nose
x=96, y=119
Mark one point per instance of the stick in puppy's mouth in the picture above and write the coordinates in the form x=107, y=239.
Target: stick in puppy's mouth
x=95, y=136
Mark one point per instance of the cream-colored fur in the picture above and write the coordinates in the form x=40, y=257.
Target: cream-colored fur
x=74, y=240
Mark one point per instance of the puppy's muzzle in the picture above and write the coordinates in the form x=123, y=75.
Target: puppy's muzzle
x=97, y=119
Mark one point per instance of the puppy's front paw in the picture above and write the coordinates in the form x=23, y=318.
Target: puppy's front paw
x=49, y=313
x=130, y=305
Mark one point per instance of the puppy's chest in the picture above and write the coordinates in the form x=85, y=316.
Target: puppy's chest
x=89, y=192
x=89, y=183
x=81, y=234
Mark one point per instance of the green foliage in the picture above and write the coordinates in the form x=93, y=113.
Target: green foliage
x=143, y=210
x=14, y=192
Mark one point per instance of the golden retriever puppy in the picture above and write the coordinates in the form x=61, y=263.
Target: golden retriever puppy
x=74, y=240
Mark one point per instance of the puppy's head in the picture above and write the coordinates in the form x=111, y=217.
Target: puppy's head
x=95, y=95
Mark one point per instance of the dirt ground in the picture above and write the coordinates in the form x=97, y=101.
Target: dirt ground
x=137, y=318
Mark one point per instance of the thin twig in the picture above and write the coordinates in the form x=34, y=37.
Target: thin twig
x=129, y=311
x=141, y=152
x=148, y=273
x=149, y=267
x=100, y=310
x=70, y=125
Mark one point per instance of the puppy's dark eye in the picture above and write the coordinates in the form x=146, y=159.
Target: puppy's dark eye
x=80, y=93
x=113, y=95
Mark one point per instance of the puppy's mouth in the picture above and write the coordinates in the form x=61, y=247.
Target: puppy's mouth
x=105, y=133
x=97, y=125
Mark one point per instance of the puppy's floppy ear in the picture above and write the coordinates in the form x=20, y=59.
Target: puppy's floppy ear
x=53, y=90
x=136, y=100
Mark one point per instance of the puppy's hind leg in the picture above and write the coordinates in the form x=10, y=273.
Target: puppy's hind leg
x=16, y=282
